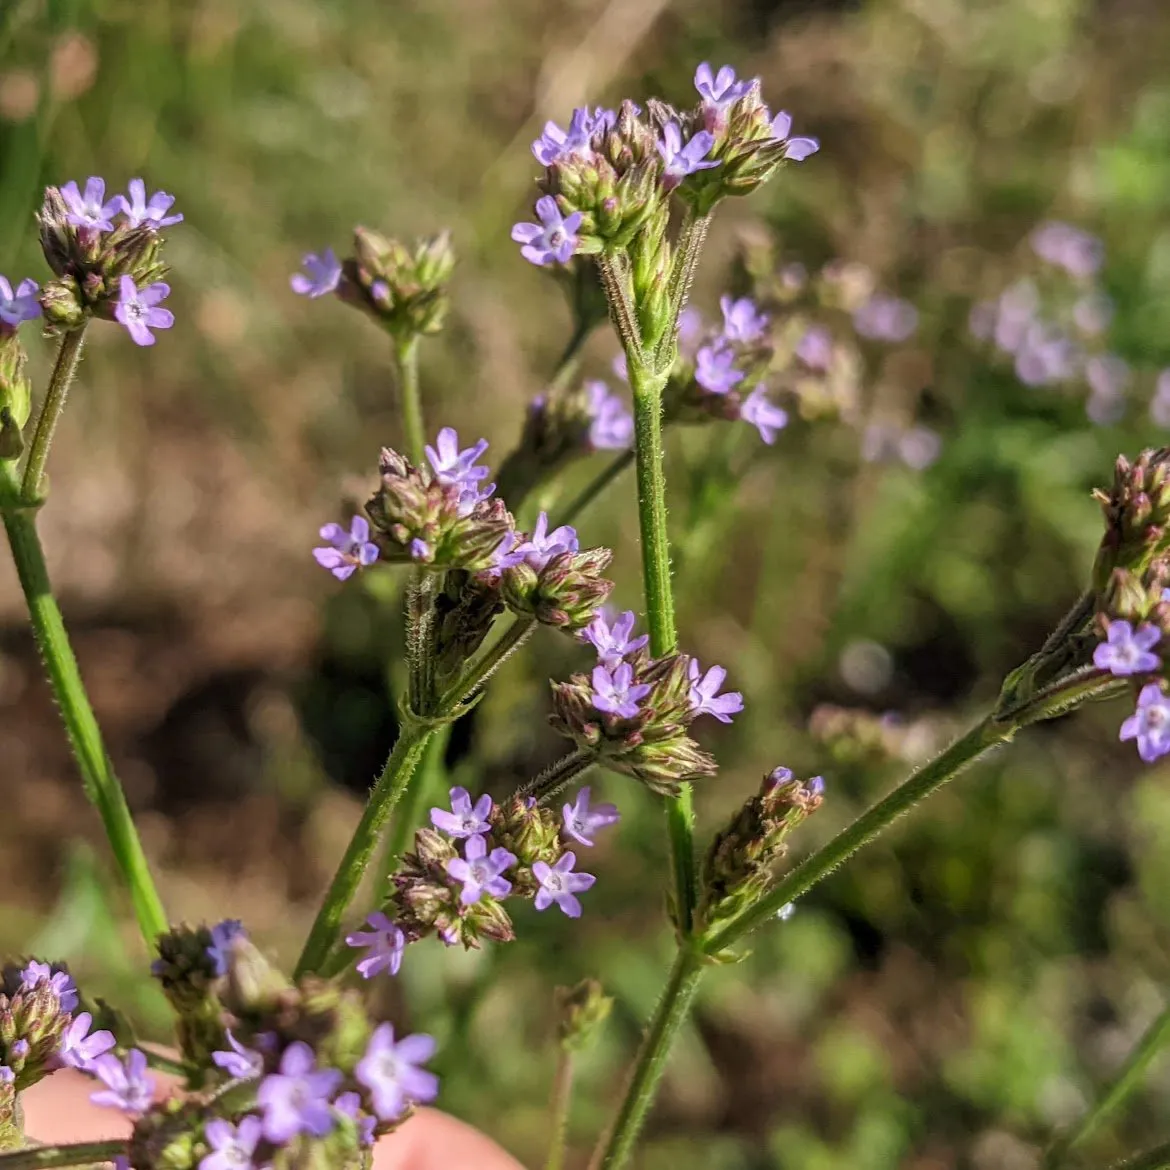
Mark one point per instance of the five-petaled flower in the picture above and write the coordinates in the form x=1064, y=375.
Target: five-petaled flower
x=705, y=697
x=80, y=1047
x=1128, y=651
x=613, y=642
x=1150, y=723
x=347, y=551
x=615, y=692
x=559, y=884
x=715, y=369
x=239, y=1061
x=763, y=414
x=582, y=820
x=392, y=1074
x=21, y=305
x=384, y=943
x=322, y=274
x=129, y=1086
x=152, y=213
x=481, y=872
x=542, y=545
x=722, y=88
x=553, y=239
x=458, y=468
x=742, y=320
x=795, y=149
x=556, y=144
x=233, y=1147
x=465, y=819
x=91, y=210
x=679, y=160
x=296, y=1099
x=138, y=309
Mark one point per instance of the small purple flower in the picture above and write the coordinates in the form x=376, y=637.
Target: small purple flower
x=815, y=348
x=350, y=1105
x=222, y=935
x=766, y=417
x=795, y=149
x=559, y=884
x=384, y=942
x=1149, y=724
x=886, y=318
x=322, y=274
x=705, y=697
x=138, y=309
x=481, y=873
x=611, y=426
x=457, y=467
x=678, y=160
x=613, y=642
x=553, y=239
x=1107, y=374
x=1045, y=355
x=542, y=545
x=555, y=144
x=21, y=305
x=779, y=775
x=715, y=369
x=742, y=320
x=152, y=214
x=919, y=447
x=80, y=1047
x=1068, y=247
x=240, y=1061
x=421, y=551
x=1128, y=651
x=720, y=89
x=392, y=1074
x=347, y=551
x=690, y=334
x=1015, y=314
x=233, y=1146
x=91, y=210
x=60, y=981
x=464, y=819
x=129, y=1086
x=582, y=821
x=296, y=1099
x=614, y=691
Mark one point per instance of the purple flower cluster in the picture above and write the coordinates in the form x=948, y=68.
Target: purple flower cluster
x=915, y=446
x=885, y=318
x=556, y=145
x=455, y=467
x=1127, y=652
x=721, y=90
x=582, y=819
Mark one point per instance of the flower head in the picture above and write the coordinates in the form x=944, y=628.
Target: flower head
x=615, y=692
x=1128, y=651
x=715, y=369
x=239, y=1061
x=21, y=305
x=222, y=934
x=322, y=274
x=678, y=160
x=555, y=144
x=464, y=819
x=742, y=320
x=459, y=468
x=296, y=1099
x=582, y=820
x=559, y=884
x=553, y=239
x=142, y=213
x=480, y=872
x=885, y=318
x=1077, y=252
x=720, y=89
x=91, y=210
x=815, y=348
x=1149, y=724
x=542, y=545
x=80, y=1047
x=347, y=551
x=129, y=1086
x=60, y=981
x=613, y=642
x=233, y=1147
x=766, y=417
x=705, y=697
x=384, y=943
x=392, y=1073
x=138, y=309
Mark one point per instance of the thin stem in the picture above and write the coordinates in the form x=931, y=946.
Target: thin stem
x=43, y=1157
x=595, y=487
x=423, y=781
x=616, y=1145
x=545, y=786
x=482, y=669
x=562, y=1096
x=81, y=726
x=1156, y=1159
x=689, y=249
x=406, y=353
x=60, y=380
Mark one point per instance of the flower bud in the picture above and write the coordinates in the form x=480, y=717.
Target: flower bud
x=253, y=984
x=566, y=593
x=528, y=830
x=1137, y=510
x=62, y=304
x=404, y=291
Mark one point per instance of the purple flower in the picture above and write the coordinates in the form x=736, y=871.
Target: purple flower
x=553, y=238
x=91, y=210
x=60, y=981
x=582, y=821
x=464, y=819
x=138, y=309
x=1068, y=247
x=385, y=943
x=722, y=88
x=233, y=1146
x=480, y=872
x=678, y=160
x=556, y=144
x=1149, y=724
x=129, y=1086
x=1107, y=374
x=222, y=935
x=767, y=418
x=240, y=1061
x=80, y=1047
x=795, y=149
x=886, y=318
x=350, y=1105
x=742, y=321
x=815, y=348
x=690, y=334
x=21, y=305
x=152, y=214
x=715, y=369
x=705, y=699
x=392, y=1074
x=458, y=468
x=559, y=884
x=1128, y=651
x=611, y=426
x=347, y=551
x=613, y=642
x=323, y=274
x=919, y=447
x=614, y=691
x=296, y=1099
x=1015, y=313
x=542, y=545
x=1045, y=355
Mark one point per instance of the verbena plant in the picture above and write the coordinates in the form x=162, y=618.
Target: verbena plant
x=295, y=1070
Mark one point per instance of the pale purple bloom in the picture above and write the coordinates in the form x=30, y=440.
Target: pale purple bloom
x=7, y=1076
x=454, y=466
x=141, y=213
x=60, y=981
x=1160, y=403
x=350, y=1105
x=1015, y=311
x=1045, y=355
x=1149, y=724
x=613, y=642
x=542, y=545
x=384, y=943
x=480, y=872
x=222, y=935
x=21, y=305
x=678, y=160
x=795, y=149
x=19, y=1049
x=464, y=819
x=421, y=551
x=232, y=1147
x=621, y=366
x=779, y=775
x=1128, y=651
x=138, y=309
x=919, y=447
x=392, y=1071
x=720, y=89
x=690, y=333
x=559, y=884
x=296, y=1099
x=80, y=1047
x=705, y=697
x=1068, y=247
x=615, y=692
x=815, y=348
x=611, y=426
x=506, y=554
x=556, y=144
x=240, y=1061
x=322, y=274
x=1107, y=374
x=764, y=415
x=553, y=239
x=742, y=320
x=715, y=369
x=347, y=550
x=91, y=210
x=886, y=318
x=582, y=820
x=129, y=1086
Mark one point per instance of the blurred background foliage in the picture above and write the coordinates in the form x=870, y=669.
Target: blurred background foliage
x=964, y=988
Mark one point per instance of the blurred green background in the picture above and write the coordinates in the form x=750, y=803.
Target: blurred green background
x=964, y=988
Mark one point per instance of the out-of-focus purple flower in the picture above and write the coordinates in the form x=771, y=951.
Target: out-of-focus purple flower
x=796, y=149
x=615, y=692
x=919, y=447
x=61, y=982
x=222, y=935
x=392, y=1072
x=715, y=369
x=981, y=320
x=764, y=415
x=1160, y=403
x=1015, y=311
x=350, y=1105
x=556, y=144
x=720, y=89
x=613, y=642
x=542, y=545
x=679, y=160
x=559, y=884
x=239, y=1061
x=1092, y=313
x=612, y=425
x=142, y=213
x=1104, y=409
x=815, y=348
x=383, y=942
x=690, y=333
x=233, y=1147
x=885, y=318
x=553, y=239
x=91, y=210
x=1045, y=355
x=1128, y=651
x=138, y=309
x=583, y=820
x=464, y=819
x=1149, y=724
x=322, y=274
x=621, y=367
x=742, y=320
x=129, y=1086
x=80, y=1047
x=480, y=872
x=296, y=1099
x=705, y=697
x=1076, y=251
x=21, y=305
x=347, y=551
x=793, y=277
x=1107, y=374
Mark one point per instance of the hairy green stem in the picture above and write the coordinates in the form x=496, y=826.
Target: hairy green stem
x=43, y=1157
x=405, y=822
x=81, y=726
x=483, y=668
x=64, y=368
x=406, y=355
x=562, y=1096
x=595, y=487
x=545, y=786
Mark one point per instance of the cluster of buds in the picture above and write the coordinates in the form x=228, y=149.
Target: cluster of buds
x=1137, y=510
x=741, y=864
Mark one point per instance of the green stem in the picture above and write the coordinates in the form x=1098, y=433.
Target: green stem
x=64, y=368
x=424, y=781
x=1156, y=1159
x=562, y=1096
x=557, y=775
x=482, y=669
x=616, y=1145
x=595, y=487
x=406, y=353
x=85, y=737
x=81, y=1154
